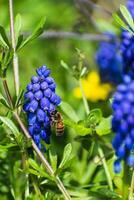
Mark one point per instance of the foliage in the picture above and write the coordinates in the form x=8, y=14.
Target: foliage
x=82, y=159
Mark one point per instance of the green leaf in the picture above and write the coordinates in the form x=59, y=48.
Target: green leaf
x=119, y=21
x=4, y=36
x=7, y=58
x=118, y=181
x=104, y=127
x=18, y=24
x=69, y=111
x=19, y=41
x=38, y=169
x=126, y=14
x=79, y=128
x=9, y=123
x=6, y=147
x=3, y=101
x=53, y=158
x=36, y=33
x=94, y=117
x=33, y=164
x=19, y=98
x=64, y=65
x=66, y=156
x=83, y=72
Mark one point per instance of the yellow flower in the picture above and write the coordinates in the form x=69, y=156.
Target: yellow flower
x=93, y=88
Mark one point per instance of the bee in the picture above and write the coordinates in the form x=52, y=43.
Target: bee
x=57, y=122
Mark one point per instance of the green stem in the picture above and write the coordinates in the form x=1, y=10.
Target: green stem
x=25, y=167
x=125, y=182
x=100, y=151
x=36, y=188
x=131, y=193
x=102, y=157
x=84, y=98
x=15, y=57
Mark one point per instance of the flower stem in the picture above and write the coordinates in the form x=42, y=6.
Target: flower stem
x=6, y=89
x=109, y=180
x=125, y=185
x=131, y=193
x=84, y=98
x=100, y=151
x=15, y=57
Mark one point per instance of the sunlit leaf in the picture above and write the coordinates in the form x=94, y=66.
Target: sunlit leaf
x=18, y=24
x=69, y=111
x=64, y=65
x=66, y=155
x=53, y=158
x=126, y=14
x=4, y=36
x=104, y=127
x=36, y=33
x=80, y=129
x=9, y=123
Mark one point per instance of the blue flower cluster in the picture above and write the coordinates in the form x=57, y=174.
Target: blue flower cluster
x=127, y=50
x=41, y=100
x=123, y=123
x=127, y=46
x=109, y=61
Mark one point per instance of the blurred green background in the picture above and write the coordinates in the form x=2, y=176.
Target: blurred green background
x=61, y=15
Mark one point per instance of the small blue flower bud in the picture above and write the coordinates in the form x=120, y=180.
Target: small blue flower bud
x=49, y=80
x=43, y=69
x=57, y=101
x=31, y=130
x=122, y=88
x=35, y=79
x=44, y=85
x=128, y=143
x=45, y=136
x=36, y=87
x=47, y=93
x=132, y=135
x=37, y=138
x=121, y=152
x=130, y=160
x=41, y=115
x=31, y=118
x=29, y=87
x=45, y=103
x=33, y=106
x=39, y=72
x=37, y=127
x=38, y=95
x=53, y=97
x=117, y=166
x=26, y=107
x=46, y=73
x=29, y=96
x=52, y=87
x=51, y=107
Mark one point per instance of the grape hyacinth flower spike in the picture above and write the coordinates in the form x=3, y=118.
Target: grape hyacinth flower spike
x=123, y=123
x=127, y=45
x=109, y=60
x=41, y=100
